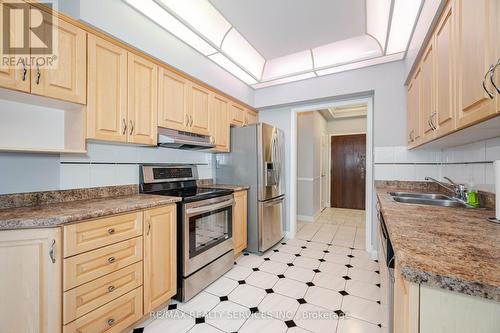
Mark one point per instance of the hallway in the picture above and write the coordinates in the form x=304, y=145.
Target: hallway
x=321, y=281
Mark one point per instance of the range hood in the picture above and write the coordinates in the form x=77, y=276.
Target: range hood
x=169, y=138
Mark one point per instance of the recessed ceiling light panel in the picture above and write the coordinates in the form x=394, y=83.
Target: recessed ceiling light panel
x=232, y=68
x=283, y=66
x=361, y=64
x=377, y=19
x=284, y=80
x=404, y=14
x=239, y=50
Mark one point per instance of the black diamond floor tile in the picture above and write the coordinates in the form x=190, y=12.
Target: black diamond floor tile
x=349, y=266
x=223, y=298
x=322, y=260
x=339, y=313
x=269, y=291
x=290, y=264
x=345, y=277
x=199, y=320
x=254, y=310
x=310, y=284
x=241, y=282
x=301, y=301
x=290, y=323
x=281, y=276
x=343, y=293
x=316, y=271
x=255, y=269
x=297, y=254
x=172, y=306
x=267, y=259
x=246, y=254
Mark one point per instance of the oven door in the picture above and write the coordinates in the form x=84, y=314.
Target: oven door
x=207, y=232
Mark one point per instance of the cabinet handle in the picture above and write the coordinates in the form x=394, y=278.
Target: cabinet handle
x=25, y=70
x=111, y=260
x=39, y=75
x=111, y=289
x=149, y=228
x=492, y=74
x=111, y=322
x=131, y=127
x=51, y=251
x=187, y=120
x=124, y=126
x=111, y=231
x=484, y=80
x=191, y=117
x=433, y=115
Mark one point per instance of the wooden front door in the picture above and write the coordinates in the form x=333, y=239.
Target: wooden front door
x=348, y=170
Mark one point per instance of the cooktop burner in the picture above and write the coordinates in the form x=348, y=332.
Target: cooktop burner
x=194, y=193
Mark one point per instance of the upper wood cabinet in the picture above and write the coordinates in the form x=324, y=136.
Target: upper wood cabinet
x=237, y=115
x=413, y=117
x=240, y=222
x=220, y=123
x=17, y=78
x=428, y=112
x=142, y=100
x=160, y=256
x=31, y=262
x=444, y=81
x=476, y=44
x=67, y=79
x=173, y=91
x=107, y=91
x=252, y=117
x=199, y=109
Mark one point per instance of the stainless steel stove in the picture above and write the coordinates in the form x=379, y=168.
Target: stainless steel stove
x=204, y=225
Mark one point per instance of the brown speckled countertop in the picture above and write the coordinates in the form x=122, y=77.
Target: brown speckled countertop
x=451, y=248
x=60, y=209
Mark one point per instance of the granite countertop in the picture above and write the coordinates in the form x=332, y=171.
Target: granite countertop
x=56, y=214
x=451, y=248
x=235, y=188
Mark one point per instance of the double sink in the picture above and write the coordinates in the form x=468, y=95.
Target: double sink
x=433, y=199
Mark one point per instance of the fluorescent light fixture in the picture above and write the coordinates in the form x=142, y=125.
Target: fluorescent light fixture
x=154, y=12
x=202, y=16
x=348, y=50
x=360, y=64
x=284, y=80
x=290, y=64
x=232, y=68
x=236, y=47
x=404, y=15
x=377, y=19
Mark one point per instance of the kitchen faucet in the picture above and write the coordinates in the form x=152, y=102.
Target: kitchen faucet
x=459, y=189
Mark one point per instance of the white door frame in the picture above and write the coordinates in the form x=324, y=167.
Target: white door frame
x=370, y=247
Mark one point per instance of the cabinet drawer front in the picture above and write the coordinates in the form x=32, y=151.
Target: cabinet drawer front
x=90, y=296
x=86, y=236
x=94, y=264
x=113, y=317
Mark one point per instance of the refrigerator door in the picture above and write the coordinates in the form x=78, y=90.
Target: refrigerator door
x=270, y=162
x=271, y=222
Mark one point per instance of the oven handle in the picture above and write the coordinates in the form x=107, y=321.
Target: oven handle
x=209, y=207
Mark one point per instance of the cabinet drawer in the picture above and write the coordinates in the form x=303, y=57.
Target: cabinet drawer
x=90, y=296
x=86, y=236
x=94, y=264
x=113, y=317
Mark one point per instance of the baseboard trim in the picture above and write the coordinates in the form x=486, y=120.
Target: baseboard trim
x=309, y=218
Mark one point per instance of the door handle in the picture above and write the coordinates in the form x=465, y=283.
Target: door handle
x=484, y=82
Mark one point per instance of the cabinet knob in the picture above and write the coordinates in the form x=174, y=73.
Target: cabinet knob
x=111, y=260
x=111, y=231
x=111, y=322
x=111, y=289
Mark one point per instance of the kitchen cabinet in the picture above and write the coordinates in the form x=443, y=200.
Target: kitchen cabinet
x=476, y=43
x=237, y=115
x=160, y=256
x=142, y=100
x=406, y=304
x=252, y=117
x=444, y=74
x=66, y=80
x=173, y=91
x=107, y=91
x=240, y=222
x=428, y=113
x=16, y=77
x=220, y=124
x=199, y=109
x=413, y=111
x=31, y=262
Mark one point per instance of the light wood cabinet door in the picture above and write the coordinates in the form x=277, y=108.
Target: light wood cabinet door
x=406, y=304
x=444, y=72
x=199, y=111
x=160, y=256
x=142, y=100
x=107, y=91
x=220, y=123
x=476, y=43
x=15, y=77
x=173, y=91
x=240, y=222
x=252, y=117
x=67, y=79
x=428, y=113
x=31, y=280
x=413, y=110
x=237, y=115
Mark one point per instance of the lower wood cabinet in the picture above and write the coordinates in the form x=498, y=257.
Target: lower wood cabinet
x=30, y=282
x=240, y=222
x=160, y=256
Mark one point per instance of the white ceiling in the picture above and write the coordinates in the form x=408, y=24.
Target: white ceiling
x=281, y=27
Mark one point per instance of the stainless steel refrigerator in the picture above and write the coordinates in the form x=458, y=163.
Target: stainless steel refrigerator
x=257, y=159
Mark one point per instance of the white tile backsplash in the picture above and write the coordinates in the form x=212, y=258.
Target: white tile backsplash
x=493, y=149
x=102, y=175
x=74, y=176
x=127, y=174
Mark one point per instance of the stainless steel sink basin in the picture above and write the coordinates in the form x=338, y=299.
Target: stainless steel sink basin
x=420, y=195
x=428, y=201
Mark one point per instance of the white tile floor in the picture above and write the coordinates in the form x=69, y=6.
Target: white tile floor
x=320, y=281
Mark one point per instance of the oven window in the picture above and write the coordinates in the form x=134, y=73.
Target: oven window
x=209, y=229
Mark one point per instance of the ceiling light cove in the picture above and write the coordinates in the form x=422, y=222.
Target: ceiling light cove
x=200, y=24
